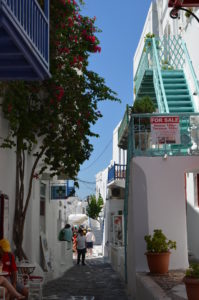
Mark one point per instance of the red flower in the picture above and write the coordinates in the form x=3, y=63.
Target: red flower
x=80, y=58
x=9, y=107
x=92, y=38
x=59, y=93
x=84, y=32
x=36, y=176
x=96, y=48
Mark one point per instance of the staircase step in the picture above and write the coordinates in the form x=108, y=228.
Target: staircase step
x=177, y=92
x=179, y=97
x=180, y=103
x=149, y=88
x=180, y=109
x=174, y=81
x=146, y=93
x=179, y=86
x=172, y=74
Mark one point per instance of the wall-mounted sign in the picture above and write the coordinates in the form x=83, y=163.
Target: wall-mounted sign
x=165, y=130
x=58, y=192
x=118, y=230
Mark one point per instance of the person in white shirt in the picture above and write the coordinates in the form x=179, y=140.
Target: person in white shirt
x=81, y=247
x=90, y=238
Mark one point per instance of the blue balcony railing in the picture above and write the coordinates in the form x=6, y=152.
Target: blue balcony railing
x=116, y=172
x=146, y=141
x=24, y=40
x=32, y=21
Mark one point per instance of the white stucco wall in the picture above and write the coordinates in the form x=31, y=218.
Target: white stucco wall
x=157, y=201
x=32, y=229
x=118, y=154
x=151, y=25
x=192, y=214
x=101, y=184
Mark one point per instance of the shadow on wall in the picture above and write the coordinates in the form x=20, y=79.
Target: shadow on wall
x=137, y=225
x=192, y=231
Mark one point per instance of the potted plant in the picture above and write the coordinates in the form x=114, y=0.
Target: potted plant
x=142, y=124
x=158, y=251
x=191, y=281
x=166, y=65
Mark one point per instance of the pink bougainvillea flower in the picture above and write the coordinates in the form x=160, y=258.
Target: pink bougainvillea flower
x=92, y=38
x=9, y=107
x=96, y=48
x=36, y=176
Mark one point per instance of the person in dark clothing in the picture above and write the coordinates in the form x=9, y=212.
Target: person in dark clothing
x=81, y=247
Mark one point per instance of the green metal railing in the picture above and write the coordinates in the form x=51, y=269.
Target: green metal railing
x=129, y=155
x=158, y=82
x=123, y=129
x=146, y=142
x=165, y=54
x=142, y=67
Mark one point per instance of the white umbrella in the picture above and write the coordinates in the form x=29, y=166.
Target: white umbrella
x=77, y=219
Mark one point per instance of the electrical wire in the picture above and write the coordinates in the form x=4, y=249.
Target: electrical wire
x=98, y=156
x=83, y=181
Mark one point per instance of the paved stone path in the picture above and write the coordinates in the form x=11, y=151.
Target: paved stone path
x=95, y=281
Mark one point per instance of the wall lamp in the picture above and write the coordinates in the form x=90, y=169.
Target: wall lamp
x=180, y=5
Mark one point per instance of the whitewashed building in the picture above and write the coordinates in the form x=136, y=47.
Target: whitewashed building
x=162, y=168
x=45, y=217
x=110, y=183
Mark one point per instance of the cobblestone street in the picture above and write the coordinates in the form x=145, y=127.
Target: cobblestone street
x=95, y=281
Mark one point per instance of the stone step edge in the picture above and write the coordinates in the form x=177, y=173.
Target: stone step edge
x=147, y=288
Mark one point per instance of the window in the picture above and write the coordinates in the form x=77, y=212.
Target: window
x=42, y=199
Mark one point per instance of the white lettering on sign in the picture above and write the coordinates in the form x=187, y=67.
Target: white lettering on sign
x=165, y=130
x=164, y=120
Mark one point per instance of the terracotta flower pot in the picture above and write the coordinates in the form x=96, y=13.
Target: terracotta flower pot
x=192, y=287
x=158, y=262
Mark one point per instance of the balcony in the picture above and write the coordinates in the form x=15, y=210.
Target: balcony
x=24, y=40
x=117, y=175
x=123, y=129
x=169, y=138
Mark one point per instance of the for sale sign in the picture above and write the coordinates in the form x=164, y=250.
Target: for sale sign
x=165, y=130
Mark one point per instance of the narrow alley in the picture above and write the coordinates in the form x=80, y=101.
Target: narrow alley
x=95, y=281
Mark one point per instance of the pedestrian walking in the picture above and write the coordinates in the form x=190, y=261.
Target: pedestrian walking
x=81, y=247
x=90, y=239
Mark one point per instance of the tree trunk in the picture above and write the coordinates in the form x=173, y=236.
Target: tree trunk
x=19, y=218
x=21, y=203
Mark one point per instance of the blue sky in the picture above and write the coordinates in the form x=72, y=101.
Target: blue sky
x=121, y=23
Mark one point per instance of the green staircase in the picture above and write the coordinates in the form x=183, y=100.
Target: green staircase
x=147, y=87
x=177, y=91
